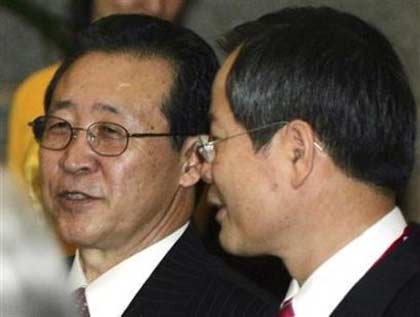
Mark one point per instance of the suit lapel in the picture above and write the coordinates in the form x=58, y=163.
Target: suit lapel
x=169, y=290
x=373, y=293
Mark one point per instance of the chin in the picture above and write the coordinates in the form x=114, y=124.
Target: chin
x=80, y=240
x=230, y=242
x=74, y=232
x=237, y=244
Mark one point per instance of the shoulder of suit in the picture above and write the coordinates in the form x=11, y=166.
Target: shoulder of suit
x=407, y=299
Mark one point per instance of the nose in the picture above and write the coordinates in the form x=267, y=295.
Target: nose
x=206, y=173
x=78, y=157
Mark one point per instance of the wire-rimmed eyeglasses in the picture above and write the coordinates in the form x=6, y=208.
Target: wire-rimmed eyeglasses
x=206, y=147
x=104, y=138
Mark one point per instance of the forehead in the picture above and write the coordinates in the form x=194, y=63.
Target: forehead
x=128, y=83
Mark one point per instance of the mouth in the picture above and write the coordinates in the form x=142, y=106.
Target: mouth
x=221, y=209
x=73, y=198
x=221, y=214
x=75, y=195
x=214, y=199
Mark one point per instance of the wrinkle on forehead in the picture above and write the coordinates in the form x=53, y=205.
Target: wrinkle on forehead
x=68, y=104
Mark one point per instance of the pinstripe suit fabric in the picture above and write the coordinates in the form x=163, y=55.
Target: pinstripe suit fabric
x=190, y=282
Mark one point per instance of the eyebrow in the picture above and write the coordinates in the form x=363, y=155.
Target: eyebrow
x=103, y=107
x=58, y=105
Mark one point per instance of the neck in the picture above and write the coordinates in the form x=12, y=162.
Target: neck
x=334, y=220
x=96, y=261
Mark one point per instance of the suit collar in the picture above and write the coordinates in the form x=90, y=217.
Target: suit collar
x=172, y=273
x=373, y=293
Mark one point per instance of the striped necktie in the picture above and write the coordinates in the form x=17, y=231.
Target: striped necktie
x=80, y=301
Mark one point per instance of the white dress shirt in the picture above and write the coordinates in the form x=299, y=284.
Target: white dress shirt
x=111, y=293
x=326, y=287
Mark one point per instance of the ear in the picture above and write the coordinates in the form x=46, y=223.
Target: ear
x=206, y=173
x=300, y=139
x=191, y=163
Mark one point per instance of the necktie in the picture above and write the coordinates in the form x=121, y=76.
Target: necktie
x=286, y=309
x=404, y=236
x=80, y=301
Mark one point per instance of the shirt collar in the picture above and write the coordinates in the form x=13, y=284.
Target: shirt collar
x=111, y=293
x=330, y=282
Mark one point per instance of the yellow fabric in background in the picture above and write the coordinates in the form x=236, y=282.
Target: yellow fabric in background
x=22, y=150
x=28, y=103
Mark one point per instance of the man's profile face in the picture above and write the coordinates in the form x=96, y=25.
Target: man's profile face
x=99, y=201
x=244, y=184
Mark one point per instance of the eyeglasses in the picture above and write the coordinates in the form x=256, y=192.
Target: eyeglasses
x=104, y=138
x=206, y=148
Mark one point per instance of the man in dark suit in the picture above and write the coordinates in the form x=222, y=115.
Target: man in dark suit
x=118, y=170
x=313, y=128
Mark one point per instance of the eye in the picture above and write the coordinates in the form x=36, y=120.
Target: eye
x=56, y=127
x=110, y=131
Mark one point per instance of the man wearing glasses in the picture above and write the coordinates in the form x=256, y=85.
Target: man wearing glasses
x=118, y=170
x=312, y=139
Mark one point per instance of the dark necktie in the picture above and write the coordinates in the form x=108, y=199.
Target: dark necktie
x=81, y=303
x=286, y=309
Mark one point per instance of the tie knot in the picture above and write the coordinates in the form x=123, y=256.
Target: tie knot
x=80, y=301
x=286, y=309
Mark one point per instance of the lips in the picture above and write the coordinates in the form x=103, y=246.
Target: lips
x=214, y=198
x=221, y=214
x=75, y=195
x=76, y=200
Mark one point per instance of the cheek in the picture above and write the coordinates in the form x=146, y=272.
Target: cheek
x=247, y=190
x=138, y=174
x=125, y=178
x=234, y=178
x=48, y=166
x=48, y=174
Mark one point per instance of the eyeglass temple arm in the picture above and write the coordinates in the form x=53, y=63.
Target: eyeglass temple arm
x=144, y=135
x=205, y=142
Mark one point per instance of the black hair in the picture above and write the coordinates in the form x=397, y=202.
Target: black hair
x=193, y=62
x=81, y=14
x=339, y=74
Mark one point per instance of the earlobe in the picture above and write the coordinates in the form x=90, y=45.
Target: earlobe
x=206, y=173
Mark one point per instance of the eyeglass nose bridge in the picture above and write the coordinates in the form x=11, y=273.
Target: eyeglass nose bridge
x=90, y=137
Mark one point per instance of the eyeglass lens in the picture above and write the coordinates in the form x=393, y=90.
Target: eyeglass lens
x=105, y=138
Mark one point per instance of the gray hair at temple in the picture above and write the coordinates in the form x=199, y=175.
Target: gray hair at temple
x=33, y=277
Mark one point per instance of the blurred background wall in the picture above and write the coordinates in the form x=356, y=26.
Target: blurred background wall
x=24, y=48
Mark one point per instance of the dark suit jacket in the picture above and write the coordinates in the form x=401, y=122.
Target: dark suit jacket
x=190, y=282
x=391, y=287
